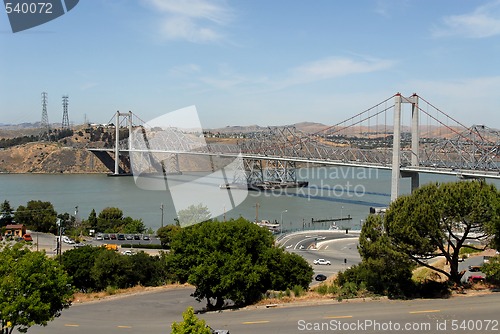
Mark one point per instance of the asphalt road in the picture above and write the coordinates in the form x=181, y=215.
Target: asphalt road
x=154, y=313
x=336, y=246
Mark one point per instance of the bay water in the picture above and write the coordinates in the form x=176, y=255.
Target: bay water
x=333, y=192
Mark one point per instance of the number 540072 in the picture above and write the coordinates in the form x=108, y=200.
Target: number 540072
x=29, y=8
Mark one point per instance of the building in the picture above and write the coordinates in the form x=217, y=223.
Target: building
x=15, y=230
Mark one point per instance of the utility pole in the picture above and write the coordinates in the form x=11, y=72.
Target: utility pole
x=161, y=208
x=257, y=212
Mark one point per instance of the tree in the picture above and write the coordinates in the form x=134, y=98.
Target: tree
x=109, y=220
x=34, y=289
x=6, y=216
x=190, y=324
x=194, y=214
x=167, y=233
x=38, y=216
x=440, y=219
x=383, y=269
x=230, y=261
x=132, y=226
x=78, y=263
x=112, y=270
x=91, y=222
x=492, y=270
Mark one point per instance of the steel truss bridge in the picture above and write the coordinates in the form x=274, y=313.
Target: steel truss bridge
x=407, y=135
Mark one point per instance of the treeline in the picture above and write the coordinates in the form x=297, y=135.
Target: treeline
x=41, y=216
x=54, y=135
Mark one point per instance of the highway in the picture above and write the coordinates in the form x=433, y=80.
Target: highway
x=153, y=313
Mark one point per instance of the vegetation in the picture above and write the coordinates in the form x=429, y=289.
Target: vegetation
x=436, y=220
x=194, y=214
x=439, y=220
x=97, y=269
x=112, y=220
x=492, y=270
x=234, y=260
x=190, y=324
x=167, y=234
x=35, y=289
x=38, y=216
x=384, y=270
x=6, y=214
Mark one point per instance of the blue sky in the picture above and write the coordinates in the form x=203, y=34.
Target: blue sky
x=252, y=61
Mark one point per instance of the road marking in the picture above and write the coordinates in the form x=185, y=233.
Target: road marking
x=71, y=325
x=339, y=317
x=124, y=326
x=255, y=322
x=425, y=311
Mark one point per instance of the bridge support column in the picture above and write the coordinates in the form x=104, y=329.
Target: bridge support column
x=396, y=148
x=117, y=143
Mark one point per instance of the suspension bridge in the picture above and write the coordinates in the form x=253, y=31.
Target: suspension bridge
x=407, y=135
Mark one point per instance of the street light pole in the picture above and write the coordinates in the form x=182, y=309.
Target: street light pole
x=281, y=219
x=161, y=208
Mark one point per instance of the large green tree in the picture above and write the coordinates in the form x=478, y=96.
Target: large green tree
x=193, y=214
x=232, y=261
x=37, y=215
x=440, y=219
x=34, y=289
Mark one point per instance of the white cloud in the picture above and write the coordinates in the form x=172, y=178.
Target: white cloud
x=483, y=22
x=198, y=21
x=334, y=67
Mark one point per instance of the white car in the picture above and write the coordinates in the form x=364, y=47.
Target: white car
x=322, y=261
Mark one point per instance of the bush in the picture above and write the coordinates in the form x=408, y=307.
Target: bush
x=298, y=290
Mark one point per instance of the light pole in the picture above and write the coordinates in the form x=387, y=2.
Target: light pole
x=281, y=219
x=341, y=209
x=161, y=208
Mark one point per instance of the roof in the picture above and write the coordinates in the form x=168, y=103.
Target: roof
x=14, y=226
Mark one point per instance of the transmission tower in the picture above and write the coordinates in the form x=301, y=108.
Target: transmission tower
x=44, y=126
x=65, y=119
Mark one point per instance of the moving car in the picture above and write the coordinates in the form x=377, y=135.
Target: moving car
x=322, y=261
x=320, y=277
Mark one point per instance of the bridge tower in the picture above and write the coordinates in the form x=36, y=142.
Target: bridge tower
x=128, y=116
x=396, y=147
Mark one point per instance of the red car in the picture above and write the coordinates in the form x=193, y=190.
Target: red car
x=27, y=237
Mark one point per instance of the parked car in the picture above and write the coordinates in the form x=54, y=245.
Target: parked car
x=121, y=236
x=106, y=237
x=99, y=237
x=137, y=237
x=129, y=237
x=474, y=268
x=128, y=252
x=145, y=237
x=112, y=236
x=322, y=261
x=27, y=237
x=475, y=278
x=320, y=277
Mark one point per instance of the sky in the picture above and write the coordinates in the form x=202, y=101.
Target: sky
x=248, y=62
